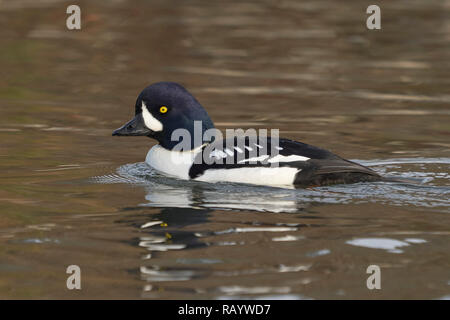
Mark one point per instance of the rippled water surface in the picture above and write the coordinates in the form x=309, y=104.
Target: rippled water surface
x=72, y=194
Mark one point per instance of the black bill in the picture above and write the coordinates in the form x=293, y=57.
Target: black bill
x=135, y=127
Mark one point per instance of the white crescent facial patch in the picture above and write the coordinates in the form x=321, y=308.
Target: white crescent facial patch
x=150, y=121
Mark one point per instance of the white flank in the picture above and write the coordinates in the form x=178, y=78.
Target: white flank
x=150, y=121
x=259, y=176
x=238, y=149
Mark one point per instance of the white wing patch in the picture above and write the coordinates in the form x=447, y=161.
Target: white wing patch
x=218, y=154
x=255, y=159
x=278, y=158
x=291, y=158
x=150, y=121
x=229, y=152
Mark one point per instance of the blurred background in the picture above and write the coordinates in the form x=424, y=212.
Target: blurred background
x=309, y=68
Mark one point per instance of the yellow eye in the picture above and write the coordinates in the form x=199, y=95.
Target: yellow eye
x=163, y=109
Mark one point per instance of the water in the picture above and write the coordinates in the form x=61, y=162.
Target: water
x=72, y=194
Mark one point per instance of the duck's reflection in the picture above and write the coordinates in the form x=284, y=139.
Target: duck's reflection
x=198, y=195
x=163, y=232
x=184, y=222
x=188, y=204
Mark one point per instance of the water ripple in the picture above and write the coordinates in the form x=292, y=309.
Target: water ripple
x=429, y=190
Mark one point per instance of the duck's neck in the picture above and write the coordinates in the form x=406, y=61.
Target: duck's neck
x=189, y=139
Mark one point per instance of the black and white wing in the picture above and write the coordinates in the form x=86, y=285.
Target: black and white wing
x=313, y=165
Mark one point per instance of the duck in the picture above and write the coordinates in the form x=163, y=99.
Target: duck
x=191, y=148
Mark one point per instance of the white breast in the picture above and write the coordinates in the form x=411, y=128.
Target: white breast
x=173, y=163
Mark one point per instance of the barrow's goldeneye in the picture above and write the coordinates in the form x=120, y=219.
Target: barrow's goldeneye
x=167, y=112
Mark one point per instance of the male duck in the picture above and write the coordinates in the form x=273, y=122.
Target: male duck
x=166, y=111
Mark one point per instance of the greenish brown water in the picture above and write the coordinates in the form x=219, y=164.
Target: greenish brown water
x=72, y=194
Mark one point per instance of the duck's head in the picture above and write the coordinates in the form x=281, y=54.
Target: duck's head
x=162, y=108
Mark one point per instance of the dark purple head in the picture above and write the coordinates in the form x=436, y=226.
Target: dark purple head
x=163, y=107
